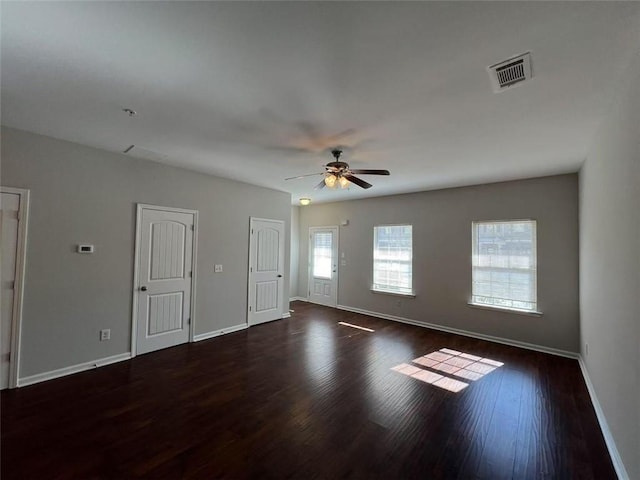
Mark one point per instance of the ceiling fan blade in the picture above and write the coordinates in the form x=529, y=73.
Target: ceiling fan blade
x=320, y=186
x=370, y=172
x=302, y=176
x=358, y=181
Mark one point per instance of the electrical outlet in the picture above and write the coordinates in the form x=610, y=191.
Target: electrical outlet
x=105, y=334
x=217, y=268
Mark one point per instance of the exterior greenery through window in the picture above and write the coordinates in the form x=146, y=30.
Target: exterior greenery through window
x=393, y=259
x=504, y=264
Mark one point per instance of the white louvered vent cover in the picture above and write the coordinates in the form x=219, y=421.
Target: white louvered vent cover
x=510, y=72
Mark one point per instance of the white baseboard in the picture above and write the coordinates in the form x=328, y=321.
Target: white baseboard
x=604, y=426
x=286, y=315
x=297, y=299
x=466, y=333
x=81, y=367
x=222, y=331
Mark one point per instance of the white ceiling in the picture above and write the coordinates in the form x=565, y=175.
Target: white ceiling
x=239, y=89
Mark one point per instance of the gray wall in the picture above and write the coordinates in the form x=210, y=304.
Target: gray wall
x=442, y=255
x=84, y=195
x=295, y=251
x=610, y=268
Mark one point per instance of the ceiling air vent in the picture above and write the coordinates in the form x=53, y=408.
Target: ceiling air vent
x=143, y=153
x=510, y=72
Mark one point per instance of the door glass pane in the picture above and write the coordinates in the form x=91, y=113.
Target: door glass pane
x=322, y=261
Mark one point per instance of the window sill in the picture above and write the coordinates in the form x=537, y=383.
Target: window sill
x=481, y=306
x=395, y=294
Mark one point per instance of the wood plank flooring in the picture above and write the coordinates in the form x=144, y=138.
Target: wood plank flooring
x=307, y=398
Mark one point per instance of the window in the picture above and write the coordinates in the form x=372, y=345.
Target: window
x=322, y=246
x=504, y=264
x=392, y=259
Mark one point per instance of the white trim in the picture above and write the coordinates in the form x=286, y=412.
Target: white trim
x=81, y=367
x=217, y=333
x=466, y=333
x=604, y=426
x=494, y=308
x=286, y=315
x=136, y=265
x=396, y=294
x=194, y=274
x=18, y=286
x=148, y=206
x=298, y=299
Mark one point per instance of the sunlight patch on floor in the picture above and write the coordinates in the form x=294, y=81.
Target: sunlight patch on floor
x=356, y=326
x=447, y=364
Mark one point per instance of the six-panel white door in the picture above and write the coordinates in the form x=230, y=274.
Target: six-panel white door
x=266, y=270
x=164, y=278
x=323, y=265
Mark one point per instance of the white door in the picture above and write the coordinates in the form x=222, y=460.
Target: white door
x=165, y=251
x=12, y=234
x=323, y=265
x=266, y=269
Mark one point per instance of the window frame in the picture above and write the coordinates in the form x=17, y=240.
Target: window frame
x=534, y=271
x=375, y=288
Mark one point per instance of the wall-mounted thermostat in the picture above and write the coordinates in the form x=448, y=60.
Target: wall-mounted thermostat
x=85, y=249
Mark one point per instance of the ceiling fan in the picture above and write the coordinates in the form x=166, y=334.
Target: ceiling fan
x=338, y=173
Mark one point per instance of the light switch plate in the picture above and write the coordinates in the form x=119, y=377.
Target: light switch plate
x=217, y=268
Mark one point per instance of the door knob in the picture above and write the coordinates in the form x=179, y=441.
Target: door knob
x=143, y=288
x=279, y=276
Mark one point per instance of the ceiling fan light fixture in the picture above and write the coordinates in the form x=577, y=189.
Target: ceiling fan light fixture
x=330, y=181
x=305, y=201
x=344, y=183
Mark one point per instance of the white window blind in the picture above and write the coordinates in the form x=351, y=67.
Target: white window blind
x=322, y=247
x=393, y=258
x=504, y=264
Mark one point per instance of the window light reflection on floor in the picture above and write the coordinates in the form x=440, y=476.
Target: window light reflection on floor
x=447, y=364
x=356, y=326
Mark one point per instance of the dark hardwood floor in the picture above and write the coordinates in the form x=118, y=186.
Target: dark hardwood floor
x=308, y=398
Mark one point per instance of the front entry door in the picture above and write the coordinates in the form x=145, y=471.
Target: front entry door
x=266, y=270
x=323, y=266
x=165, y=268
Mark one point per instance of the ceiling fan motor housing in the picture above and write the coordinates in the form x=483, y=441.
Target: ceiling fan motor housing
x=338, y=166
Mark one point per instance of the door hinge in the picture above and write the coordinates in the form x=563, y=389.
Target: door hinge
x=191, y=274
x=189, y=321
x=249, y=307
x=252, y=231
x=250, y=269
x=193, y=228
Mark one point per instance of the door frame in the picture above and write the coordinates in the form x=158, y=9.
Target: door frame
x=310, y=259
x=136, y=268
x=251, y=247
x=18, y=286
